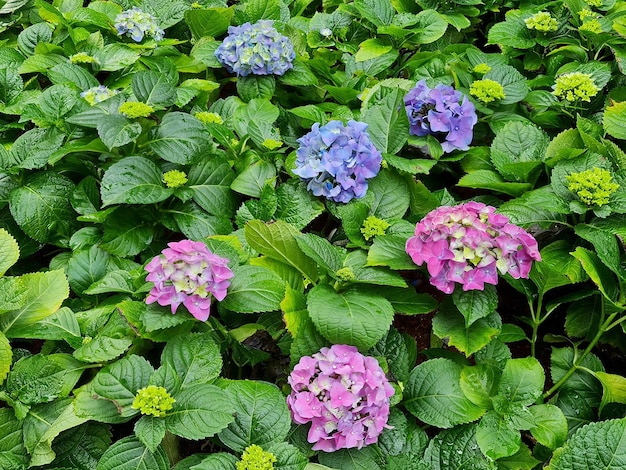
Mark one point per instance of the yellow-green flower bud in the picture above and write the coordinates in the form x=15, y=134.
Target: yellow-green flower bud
x=255, y=458
x=586, y=13
x=373, y=226
x=135, y=109
x=83, y=58
x=575, y=86
x=345, y=275
x=594, y=3
x=481, y=68
x=487, y=90
x=153, y=400
x=593, y=187
x=196, y=5
x=209, y=118
x=591, y=26
x=272, y=144
x=542, y=22
x=174, y=178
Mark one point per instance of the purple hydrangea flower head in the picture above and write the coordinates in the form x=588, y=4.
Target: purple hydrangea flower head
x=343, y=394
x=443, y=112
x=257, y=49
x=469, y=244
x=337, y=160
x=137, y=24
x=98, y=94
x=188, y=273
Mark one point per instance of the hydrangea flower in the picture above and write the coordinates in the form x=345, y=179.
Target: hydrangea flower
x=542, y=22
x=256, y=49
x=575, y=86
x=188, y=273
x=209, y=118
x=373, y=226
x=137, y=24
x=255, y=458
x=153, y=401
x=593, y=187
x=468, y=244
x=591, y=26
x=337, y=160
x=174, y=178
x=487, y=90
x=481, y=68
x=135, y=109
x=443, y=112
x=343, y=394
x=83, y=58
x=98, y=94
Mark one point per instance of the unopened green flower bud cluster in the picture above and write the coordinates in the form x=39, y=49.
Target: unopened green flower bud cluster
x=593, y=187
x=153, y=401
x=575, y=86
x=542, y=22
x=255, y=458
x=487, y=90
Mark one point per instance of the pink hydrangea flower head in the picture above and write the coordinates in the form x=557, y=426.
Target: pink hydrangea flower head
x=469, y=244
x=188, y=273
x=343, y=394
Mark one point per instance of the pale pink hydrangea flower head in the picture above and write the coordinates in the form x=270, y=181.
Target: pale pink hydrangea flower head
x=343, y=394
x=188, y=273
x=469, y=244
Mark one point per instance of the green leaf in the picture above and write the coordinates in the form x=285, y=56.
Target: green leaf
x=200, y=411
x=6, y=357
x=108, y=341
x=614, y=120
x=195, y=358
x=35, y=379
x=261, y=415
x=371, y=48
x=150, y=430
x=605, y=243
x=85, y=267
x=11, y=85
x=117, y=130
x=180, y=138
x=254, y=289
x=512, y=32
x=209, y=181
x=388, y=129
x=46, y=291
x=388, y=195
x=429, y=27
x=66, y=73
x=196, y=224
x=288, y=457
x=299, y=75
x=517, y=151
x=43, y=424
x=125, y=235
x=410, y=165
x=61, y=325
x=522, y=381
x=433, y=395
x=593, y=446
x=475, y=304
x=256, y=119
x=513, y=83
x=496, y=437
x=32, y=35
x=581, y=382
x=598, y=272
x=120, y=381
x=409, y=302
x=116, y=56
x=153, y=88
x=550, y=428
x=389, y=250
x=255, y=10
x=557, y=267
x=490, y=180
x=450, y=325
x=613, y=388
x=9, y=251
x=129, y=453
x=81, y=447
x=357, y=316
x=133, y=180
x=379, y=13
x=478, y=384
x=253, y=178
x=256, y=86
x=42, y=208
x=278, y=241
x=366, y=458
x=208, y=22
x=216, y=461
x=13, y=454
x=456, y=448
x=400, y=350
x=326, y=255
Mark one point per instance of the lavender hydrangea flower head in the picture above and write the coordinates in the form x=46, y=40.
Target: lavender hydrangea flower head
x=443, y=112
x=337, y=160
x=343, y=394
x=188, y=273
x=137, y=24
x=257, y=49
x=97, y=94
x=468, y=244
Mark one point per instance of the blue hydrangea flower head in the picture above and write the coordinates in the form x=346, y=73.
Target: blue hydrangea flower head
x=336, y=160
x=443, y=112
x=98, y=94
x=137, y=24
x=257, y=49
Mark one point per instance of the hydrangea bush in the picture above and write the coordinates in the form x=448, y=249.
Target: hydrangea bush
x=391, y=233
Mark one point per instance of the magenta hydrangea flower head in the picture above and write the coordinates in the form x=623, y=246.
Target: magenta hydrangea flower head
x=468, y=244
x=257, y=49
x=343, y=394
x=443, y=112
x=337, y=160
x=188, y=273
